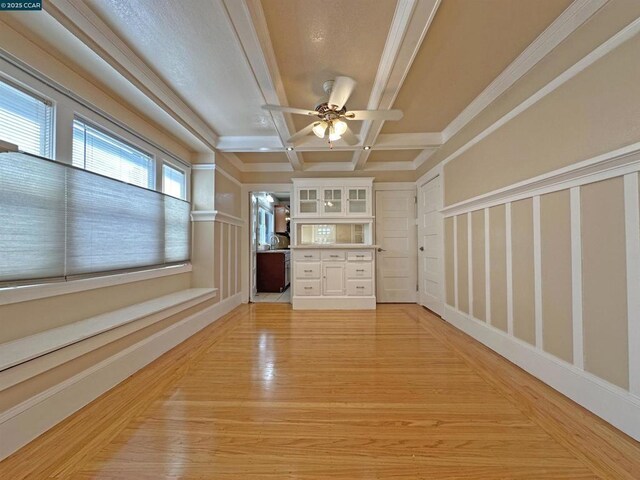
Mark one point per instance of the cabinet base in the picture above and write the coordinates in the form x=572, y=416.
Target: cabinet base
x=334, y=303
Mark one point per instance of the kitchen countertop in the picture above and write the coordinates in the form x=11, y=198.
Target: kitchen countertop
x=281, y=250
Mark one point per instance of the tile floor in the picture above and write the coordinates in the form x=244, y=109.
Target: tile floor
x=275, y=297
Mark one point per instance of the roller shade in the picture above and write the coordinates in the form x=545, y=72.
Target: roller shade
x=60, y=221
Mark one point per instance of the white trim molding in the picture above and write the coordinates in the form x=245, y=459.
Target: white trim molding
x=612, y=403
x=576, y=277
x=34, y=416
x=632, y=232
x=216, y=216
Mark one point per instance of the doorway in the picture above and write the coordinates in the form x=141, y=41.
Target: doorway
x=270, y=257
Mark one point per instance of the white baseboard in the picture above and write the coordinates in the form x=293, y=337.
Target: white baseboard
x=610, y=402
x=34, y=416
x=334, y=303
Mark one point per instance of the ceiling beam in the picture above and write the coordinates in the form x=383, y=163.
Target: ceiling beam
x=385, y=141
x=250, y=25
x=84, y=24
x=408, y=29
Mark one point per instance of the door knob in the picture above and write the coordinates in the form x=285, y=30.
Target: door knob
x=381, y=250
x=422, y=249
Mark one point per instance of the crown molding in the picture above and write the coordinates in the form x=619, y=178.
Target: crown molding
x=573, y=17
x=84, y=24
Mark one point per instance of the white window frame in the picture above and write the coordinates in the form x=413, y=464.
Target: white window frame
x=187, y=178
x=65, y=108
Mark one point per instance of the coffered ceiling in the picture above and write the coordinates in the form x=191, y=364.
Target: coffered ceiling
x=202, y=69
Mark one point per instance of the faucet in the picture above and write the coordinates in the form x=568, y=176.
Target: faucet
x=271, y=242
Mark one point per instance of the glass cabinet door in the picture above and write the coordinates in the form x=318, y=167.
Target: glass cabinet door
x=308, y=201
x=357, y=199
x=332, y=201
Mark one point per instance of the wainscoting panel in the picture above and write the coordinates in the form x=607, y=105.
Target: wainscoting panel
x=556, y=260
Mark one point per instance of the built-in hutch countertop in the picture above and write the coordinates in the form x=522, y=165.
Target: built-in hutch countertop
x=329, y=272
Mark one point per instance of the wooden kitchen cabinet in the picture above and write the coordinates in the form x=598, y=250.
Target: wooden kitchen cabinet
x=281, y=213
x=273, y=271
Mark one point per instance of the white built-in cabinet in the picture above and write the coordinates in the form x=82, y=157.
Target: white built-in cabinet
x=332, y=201
x=337, y=275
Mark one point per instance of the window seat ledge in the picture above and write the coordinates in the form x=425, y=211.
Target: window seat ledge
x=23, y=350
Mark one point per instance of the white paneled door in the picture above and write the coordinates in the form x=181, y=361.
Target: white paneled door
x=430, y=266
x=396, y=265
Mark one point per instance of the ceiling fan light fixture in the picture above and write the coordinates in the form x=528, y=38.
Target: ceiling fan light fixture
x=320, y=128
x=333, y=135
x=339, y=127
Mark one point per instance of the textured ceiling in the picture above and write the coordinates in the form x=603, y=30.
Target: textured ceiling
x=328, y=156
x=194, y=50
x=467, y=46
x=262, y=157
x=315, y=41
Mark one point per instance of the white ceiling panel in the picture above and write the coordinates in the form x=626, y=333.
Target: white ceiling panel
x=201, y=59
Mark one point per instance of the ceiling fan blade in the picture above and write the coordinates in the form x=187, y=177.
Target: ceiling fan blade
x=299, y=111
x=301, y=133
x=349, y=137
x=341, y=91
x=374, y=115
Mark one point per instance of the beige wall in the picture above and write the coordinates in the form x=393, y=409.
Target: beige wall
x=448, y=262
x=478, y=267
x=596, y=104
x=604, y=281
x=555, y=241
x=523, y=270
x=463, y=263
x=228, y=195
x=498, y=266
x=593, y=113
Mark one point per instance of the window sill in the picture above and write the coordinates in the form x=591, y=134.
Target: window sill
x=25, y=293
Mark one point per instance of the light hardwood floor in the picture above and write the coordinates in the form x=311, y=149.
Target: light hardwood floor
x=269, y=393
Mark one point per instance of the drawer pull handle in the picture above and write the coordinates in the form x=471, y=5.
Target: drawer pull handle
x=334, y=256
x=308, y=271
x=308, y=256
x=308, y=288
x=361, y=288
x=360, y=256
x=360, y=270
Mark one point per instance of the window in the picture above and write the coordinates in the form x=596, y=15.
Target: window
x=265, y=225
x=57, y=221
x=26, y=120
x=101, y=152
x=174, y=182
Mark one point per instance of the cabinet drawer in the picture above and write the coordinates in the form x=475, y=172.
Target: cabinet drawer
x=359, y=255
x=308, y=288
x=307, y=255
x=333, y=255
x=359, y=270
x=307, y=270
x=359, y=288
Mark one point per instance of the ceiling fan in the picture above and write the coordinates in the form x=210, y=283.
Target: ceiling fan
x=332, y=113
